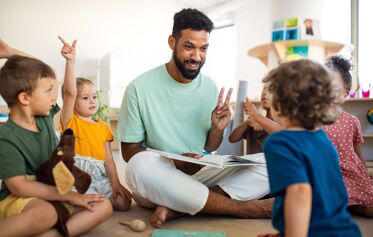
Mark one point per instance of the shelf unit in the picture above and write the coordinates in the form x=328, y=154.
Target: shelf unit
x=272, y=53
x=359, y=107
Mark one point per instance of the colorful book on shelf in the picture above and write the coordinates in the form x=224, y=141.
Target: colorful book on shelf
x=218, y=161
x=296, y=52
x=187, y=233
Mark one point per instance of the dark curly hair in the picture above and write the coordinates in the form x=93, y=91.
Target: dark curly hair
x=343, y=66
x=190, y=19
x=306, y=92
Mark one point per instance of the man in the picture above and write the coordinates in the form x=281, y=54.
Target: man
x=175, y=108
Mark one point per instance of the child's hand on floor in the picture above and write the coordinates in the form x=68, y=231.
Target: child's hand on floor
x=68, y=51
x=118, y=189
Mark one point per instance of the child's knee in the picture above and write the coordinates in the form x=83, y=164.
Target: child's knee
x=104, y=208
x=121, y=203
x=44, y=216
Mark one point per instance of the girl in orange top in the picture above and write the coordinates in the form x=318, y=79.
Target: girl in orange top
x=92, y=138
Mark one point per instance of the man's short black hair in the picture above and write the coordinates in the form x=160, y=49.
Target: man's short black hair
x=191, y=19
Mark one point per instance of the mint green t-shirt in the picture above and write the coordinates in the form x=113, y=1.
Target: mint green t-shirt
x=167, y=115
x=22, y=151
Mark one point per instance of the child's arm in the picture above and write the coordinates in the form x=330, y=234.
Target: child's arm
x=111, y=171
x=21, y=187
x=6, y=51
x=297, y=209
x=69, y=86
x=239, y=132
x=359, y=153
x=269, y=125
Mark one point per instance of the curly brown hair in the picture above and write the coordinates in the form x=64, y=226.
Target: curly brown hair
x=306, y=92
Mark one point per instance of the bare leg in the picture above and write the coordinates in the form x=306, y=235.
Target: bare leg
x=121, y=203
x=37, y=217
x=84, y=220
x=361, y=211
x=219, y=204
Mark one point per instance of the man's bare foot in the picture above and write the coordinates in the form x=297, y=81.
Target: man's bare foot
x=163, y=214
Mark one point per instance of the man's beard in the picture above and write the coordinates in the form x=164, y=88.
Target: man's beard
x=188, y=74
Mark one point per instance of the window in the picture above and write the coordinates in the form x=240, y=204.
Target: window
x=221, y=58
x=365, y=42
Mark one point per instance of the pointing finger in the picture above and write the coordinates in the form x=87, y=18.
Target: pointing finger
x=63, y=41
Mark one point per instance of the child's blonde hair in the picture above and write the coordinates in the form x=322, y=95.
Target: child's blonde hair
x=305, y=91
x=80, y=81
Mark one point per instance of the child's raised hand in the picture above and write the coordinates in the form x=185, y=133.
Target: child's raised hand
x=118, y=189
x=5, y=49
x=249, y=107
x=84, y=200
x=68, y=51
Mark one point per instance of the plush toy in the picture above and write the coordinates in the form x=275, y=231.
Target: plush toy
x=59, y=170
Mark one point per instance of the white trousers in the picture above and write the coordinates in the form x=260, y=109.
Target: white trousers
x=154, y=180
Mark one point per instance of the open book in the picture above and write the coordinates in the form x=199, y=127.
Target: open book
x=218, y=161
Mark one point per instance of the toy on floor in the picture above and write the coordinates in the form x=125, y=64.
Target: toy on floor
x=135, y=225
x=59, y=170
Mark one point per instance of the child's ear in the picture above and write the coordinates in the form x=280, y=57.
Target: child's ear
x=23, y=98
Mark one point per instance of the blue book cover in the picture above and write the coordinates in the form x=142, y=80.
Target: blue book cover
x=187, y=233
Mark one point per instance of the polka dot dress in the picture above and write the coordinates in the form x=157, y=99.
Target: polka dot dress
x=344, y=133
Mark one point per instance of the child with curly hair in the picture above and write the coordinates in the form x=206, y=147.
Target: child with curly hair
x=345, y=134
x=302, y=163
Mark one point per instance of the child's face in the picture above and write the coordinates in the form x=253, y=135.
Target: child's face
x=265, y=98
x=86, y=103
x=44, y=96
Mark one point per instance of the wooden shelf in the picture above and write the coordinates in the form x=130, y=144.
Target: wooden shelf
x=261, y=52
x=367, y=135
x=359, y=100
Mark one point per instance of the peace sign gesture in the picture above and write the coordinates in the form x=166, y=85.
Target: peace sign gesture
x=68, y=51
x=221, y=115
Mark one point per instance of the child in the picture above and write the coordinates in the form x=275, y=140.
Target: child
x=257, y=127
x=345, y=134
x=302, y=163
x=29, y=87
x=93, y=137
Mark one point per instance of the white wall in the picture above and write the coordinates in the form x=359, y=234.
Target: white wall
x=139, y=28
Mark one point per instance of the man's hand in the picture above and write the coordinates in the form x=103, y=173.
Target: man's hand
x=68, y=51
x=119, y=190
x=221, y=115
x=186, y=167
x=5, y=50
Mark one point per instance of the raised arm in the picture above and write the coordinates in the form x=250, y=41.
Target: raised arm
x=269, y=125
x=69, y=91
x=220, y=118
x=6, y=51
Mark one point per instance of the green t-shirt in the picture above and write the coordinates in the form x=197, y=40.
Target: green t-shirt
x=166, y=114
x=22, y=151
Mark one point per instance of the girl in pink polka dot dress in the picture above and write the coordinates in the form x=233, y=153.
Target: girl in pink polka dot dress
x=345, y=134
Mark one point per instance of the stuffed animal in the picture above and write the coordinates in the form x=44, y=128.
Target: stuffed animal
x=59, y=170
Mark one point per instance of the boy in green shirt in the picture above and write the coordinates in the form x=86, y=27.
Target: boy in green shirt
x=29, y=87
